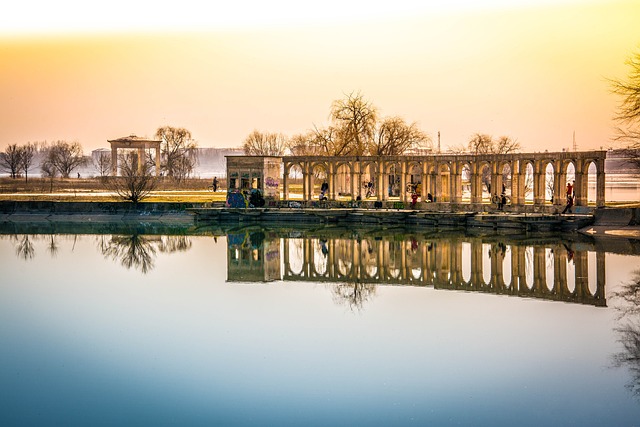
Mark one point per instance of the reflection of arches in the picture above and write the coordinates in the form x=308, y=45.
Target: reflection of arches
x=486, y=263
x=529, y=275
x=549, y=268
x=506, y=267
x=466, y=262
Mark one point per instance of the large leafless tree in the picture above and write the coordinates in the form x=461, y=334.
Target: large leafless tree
x=356, y=119
x=10, y=160
x=64, y=157
x=178, y=150
x=264, y=144
x=26, y=159
x=394, y=136
x=628, y=111
x=136, y=178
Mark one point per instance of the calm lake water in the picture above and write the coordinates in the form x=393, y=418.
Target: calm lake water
x=330, y=326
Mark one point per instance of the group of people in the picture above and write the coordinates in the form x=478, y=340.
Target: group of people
x=500, y=200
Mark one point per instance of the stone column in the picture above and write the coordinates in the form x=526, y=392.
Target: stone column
x=114, y=160
x=600, y=184
x=403, y=181
x=538, y=183
x=158, y=160
x=516, y=195
x=285, y=182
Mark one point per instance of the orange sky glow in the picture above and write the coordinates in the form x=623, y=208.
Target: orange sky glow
x=533, y=70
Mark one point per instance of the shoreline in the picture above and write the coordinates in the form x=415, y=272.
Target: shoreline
x=608, y=222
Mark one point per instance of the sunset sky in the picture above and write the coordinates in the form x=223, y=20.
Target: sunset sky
x=533, y=70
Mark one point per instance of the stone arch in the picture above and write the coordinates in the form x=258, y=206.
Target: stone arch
x=527, y=175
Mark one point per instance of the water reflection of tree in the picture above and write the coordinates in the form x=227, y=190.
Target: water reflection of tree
x=52, y=246
x=133, y=251
x=353, y=294
x=25, y=248
x=139, y=251
x=629, y=331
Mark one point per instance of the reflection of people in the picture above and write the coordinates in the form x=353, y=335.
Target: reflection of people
x=214, y=185
x=323, y=247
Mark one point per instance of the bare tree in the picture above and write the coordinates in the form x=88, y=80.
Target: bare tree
x=179, y=151
x=628, y=112
x=103, y=164
x=10, y=160
x=394, y=137
x=264, y=144
x=356, y=119
x=305, y=144
x=64, y=157
x=136, y=179
x=48, y=171
x=26, y=158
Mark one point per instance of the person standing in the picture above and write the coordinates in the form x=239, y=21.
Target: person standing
x=214, y=185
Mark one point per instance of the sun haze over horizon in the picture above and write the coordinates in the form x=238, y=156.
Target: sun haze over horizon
x=534, y=71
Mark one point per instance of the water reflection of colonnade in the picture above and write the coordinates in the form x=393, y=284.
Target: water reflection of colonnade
x=550, y=271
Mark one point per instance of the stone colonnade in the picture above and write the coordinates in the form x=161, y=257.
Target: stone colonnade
x=442, y=176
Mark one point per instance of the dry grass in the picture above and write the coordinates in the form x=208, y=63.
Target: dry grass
x=92, y=189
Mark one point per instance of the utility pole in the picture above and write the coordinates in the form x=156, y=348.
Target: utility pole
x=575, y=147
x=438, y=142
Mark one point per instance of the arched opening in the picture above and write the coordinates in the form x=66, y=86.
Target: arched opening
x=505, y=177
x=528, y=183
x=485, y=182
x=414, y=181
x=319, y=181
x=343, y=181
x=369, y=182
x=393, y=180
x=592, y=180
x=465, y=176
x=549, y=179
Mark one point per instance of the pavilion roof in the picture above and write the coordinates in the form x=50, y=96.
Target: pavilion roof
x=133, y=138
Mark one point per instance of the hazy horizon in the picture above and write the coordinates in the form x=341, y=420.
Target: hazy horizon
x=534, y=71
